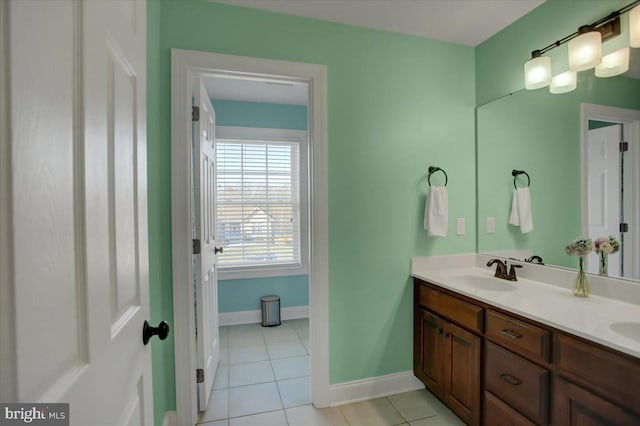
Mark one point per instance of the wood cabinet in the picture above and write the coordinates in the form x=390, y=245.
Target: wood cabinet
x=518, y=382
x=447, y=359
x=574, y=405
x=493, y=367
x=430, y=360
x=462, y=373
x=498, y=413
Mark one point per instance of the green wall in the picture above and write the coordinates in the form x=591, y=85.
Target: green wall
x=500, y=59
x=245, y=294
x=159, y=204
x=396, y=104
x=260, y=114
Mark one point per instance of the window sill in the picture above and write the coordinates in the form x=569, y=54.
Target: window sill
x=239, y=273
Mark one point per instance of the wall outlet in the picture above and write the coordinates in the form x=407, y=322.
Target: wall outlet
x=491, y=225
x=460, y=226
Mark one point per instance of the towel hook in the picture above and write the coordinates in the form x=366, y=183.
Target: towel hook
x=515, y=174
x=432, y=170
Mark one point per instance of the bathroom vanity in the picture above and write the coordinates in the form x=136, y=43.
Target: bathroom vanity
x=501, y=353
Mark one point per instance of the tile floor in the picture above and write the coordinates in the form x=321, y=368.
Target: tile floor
x=263, y=380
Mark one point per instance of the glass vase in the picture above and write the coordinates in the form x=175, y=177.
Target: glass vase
x=581, y=285
x=603, y=263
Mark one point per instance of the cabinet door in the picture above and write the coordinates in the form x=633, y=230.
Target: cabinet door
x=462, y=382
x=574, y=405
x=431, y=359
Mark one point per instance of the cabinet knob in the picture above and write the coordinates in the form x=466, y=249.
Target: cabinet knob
x=218, y=250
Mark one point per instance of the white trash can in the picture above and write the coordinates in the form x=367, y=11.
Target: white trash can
x=270, y=311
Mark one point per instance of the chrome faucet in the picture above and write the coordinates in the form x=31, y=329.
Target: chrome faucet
x=501, y=270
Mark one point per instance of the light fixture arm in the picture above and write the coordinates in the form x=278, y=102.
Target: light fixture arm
x=600, y=23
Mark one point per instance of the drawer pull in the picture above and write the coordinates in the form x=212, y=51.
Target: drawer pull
x=510, y=334
x=510, y=379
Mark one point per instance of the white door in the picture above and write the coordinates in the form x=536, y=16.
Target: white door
x=77, y=208
x=603, y=165
x=204, y=176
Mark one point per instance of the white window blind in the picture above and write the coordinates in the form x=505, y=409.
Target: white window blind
x=258, y=203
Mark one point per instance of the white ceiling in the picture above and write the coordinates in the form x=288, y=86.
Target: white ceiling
x=234, y=89
x=467, y=22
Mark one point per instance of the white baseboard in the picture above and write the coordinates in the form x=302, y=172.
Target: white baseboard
x=374, y=387
x=252, y=317
x=170, y=419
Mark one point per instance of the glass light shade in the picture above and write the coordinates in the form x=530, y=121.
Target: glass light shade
x=537, y=72
x=614, y=63
x=634, y=27
x=563, y=83
x=585, y=51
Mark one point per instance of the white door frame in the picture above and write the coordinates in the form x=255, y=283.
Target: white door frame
x=623, y=116
x=7, y=322
x=185, y=64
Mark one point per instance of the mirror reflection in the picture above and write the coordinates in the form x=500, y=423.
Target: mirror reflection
x=583, y=181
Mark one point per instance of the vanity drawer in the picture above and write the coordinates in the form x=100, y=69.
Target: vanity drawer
x=464, y=313
x=497, y=413
x=518, y=382
x=519, y=336
x=613, y=374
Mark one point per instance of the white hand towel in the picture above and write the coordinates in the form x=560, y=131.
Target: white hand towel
x=514, y=219
x=436, y=212
x=521, y=210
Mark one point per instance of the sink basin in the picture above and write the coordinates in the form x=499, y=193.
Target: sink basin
x=630, y=330
x=484, y=282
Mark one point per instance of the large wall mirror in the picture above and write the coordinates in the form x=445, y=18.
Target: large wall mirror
x=580, y=182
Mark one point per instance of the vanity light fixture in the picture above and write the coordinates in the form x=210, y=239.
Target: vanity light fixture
x=634, y=27
x=537, y=71
x=585, y=52
x=563, y=83
x=615, y=63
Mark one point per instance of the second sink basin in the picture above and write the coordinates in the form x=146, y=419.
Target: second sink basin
x=630, y=330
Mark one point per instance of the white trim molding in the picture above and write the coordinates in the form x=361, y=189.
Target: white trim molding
x=170, y=419
x=185, y=65
x=255, y=316
x=374, y=387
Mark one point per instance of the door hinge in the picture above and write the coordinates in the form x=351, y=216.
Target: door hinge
x=624, y=227
x=196, y=246
x=624, y=146
x=199, y=375
x=195, y=113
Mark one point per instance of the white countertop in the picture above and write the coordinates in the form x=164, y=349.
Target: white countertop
x=591, y=318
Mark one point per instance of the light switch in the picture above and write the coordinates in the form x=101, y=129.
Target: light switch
x=491, y=225
x=460, y=226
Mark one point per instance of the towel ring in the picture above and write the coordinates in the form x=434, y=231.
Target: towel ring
x=516, y=173
x=432, y=170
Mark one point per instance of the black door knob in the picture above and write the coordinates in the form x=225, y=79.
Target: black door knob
x=218, y=250
x=162, y=331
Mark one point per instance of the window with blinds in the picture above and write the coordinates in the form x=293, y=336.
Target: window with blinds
x=258, y=203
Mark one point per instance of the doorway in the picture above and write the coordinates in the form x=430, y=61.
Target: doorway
x=186, y=65
x=259, y=227
x=610, y=171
